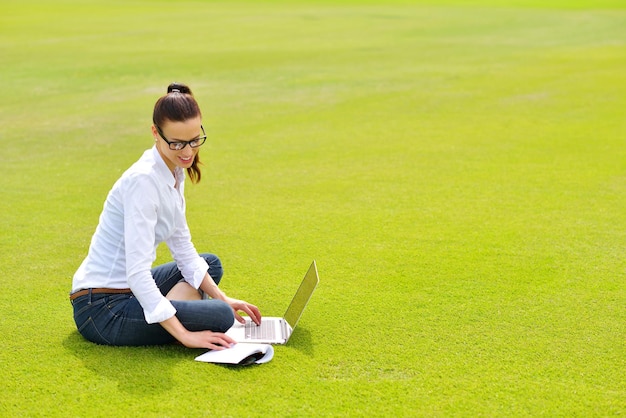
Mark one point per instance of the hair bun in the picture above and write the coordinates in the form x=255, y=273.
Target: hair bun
x=178, y=88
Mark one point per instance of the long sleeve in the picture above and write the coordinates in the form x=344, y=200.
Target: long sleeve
x=141, y=212
x=192, y=266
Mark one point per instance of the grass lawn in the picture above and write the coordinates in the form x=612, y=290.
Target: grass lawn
x=456, y=168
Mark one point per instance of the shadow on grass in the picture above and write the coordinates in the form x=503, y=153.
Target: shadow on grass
x=137, y=370
x=146, y=370
x=301, y=340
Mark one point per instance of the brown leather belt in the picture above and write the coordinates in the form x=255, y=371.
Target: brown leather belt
x=97, y=290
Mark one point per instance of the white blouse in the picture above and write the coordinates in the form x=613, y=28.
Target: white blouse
x=145, y=207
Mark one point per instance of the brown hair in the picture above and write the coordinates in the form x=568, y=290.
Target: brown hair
x=178, y=105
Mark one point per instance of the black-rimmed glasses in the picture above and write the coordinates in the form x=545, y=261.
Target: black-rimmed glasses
x=178, y=145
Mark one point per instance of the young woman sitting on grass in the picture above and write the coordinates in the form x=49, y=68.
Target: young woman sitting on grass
x=118, y=298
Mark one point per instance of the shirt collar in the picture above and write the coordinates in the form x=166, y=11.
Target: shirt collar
x=164, y=172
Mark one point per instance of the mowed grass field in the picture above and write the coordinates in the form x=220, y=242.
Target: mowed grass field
x=457, y=169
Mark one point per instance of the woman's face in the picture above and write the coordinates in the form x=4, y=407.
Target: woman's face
x=184, y=131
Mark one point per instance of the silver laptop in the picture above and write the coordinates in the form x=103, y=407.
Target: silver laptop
x=274, y=330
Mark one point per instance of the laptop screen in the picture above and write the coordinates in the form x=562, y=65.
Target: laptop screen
x=302, y=296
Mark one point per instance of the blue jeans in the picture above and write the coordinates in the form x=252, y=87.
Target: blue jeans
x=118, y=319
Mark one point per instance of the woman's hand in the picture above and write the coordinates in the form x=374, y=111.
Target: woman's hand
x=196, y=339
x=243, y=306
x=207, y=339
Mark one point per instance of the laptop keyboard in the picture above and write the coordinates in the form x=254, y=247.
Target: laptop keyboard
x=265, y=331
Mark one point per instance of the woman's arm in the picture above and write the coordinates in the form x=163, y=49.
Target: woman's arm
x=209, y=287
x=141, y=204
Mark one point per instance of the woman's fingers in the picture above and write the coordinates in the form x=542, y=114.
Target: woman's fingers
x=252, y=311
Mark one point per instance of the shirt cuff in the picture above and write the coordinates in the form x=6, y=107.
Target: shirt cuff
x=199, y=272
x=163, y=311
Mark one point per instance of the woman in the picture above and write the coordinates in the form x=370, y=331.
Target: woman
x=118, y=299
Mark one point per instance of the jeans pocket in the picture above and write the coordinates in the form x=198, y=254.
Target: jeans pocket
x=97, y=321
x=89, y=331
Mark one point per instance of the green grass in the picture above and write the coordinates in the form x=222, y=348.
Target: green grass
x=457, y=169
